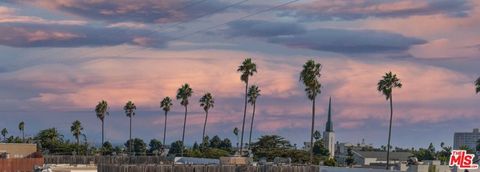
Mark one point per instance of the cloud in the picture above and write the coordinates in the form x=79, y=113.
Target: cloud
x=143, y=11
x=43, y=35
x=323, y=39
x=6, y=11
x=349, y=41
x=258, y=28
x=354, y=10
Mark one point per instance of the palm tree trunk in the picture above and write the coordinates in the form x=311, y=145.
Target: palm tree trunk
x=23, y=136
x=244, y=116
x=165, y=128
x=183, y=134
x=251, y=127
x=389, y=131
x=311, y=131
x=103, y=133
x=204, y=125
x=131, y=141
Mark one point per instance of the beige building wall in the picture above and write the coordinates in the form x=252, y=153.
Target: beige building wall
x=18, y=150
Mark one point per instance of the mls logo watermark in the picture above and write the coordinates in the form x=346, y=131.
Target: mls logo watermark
x=462, y=160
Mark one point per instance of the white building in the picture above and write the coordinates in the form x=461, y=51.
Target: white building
x=329, y=134
x=466, y=138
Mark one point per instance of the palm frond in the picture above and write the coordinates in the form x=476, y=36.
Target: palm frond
x=477, y=85
x=388, y=82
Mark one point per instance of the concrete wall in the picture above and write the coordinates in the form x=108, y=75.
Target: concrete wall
x=203, y=168
x=18, y=150
x=343, y=169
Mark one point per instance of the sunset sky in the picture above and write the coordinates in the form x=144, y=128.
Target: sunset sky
x=59, y=58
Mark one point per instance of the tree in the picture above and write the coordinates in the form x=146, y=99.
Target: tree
x=102, y=111
x=76, y=130
x=386, y=86
x=21, y=127
x=319, y=148
x=330, y=162
x=248, y=68
x=215, y=142
x=206, y=102
x=253, y=93
x=166, y=104
x=107, y=148
x=139, y=146
x=235, y=132
x=271, y=142
x=349, y=160
x=477, y=147
x=226, y=144
x=154, y=146
x=317, y=135
x=4, y=133
x=49, y=139
x=176, y=148
x=465, y=147
x=129, y=109
x=477, y=85
x=310, y=76
x=183, y=93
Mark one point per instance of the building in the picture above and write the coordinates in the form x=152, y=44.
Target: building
x=329, y=134
x=17, y=150
x=466, y=138
x=372, y=158
x=342, y=148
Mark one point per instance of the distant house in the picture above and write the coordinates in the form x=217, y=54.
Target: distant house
x=367, y=158
x=17, y=150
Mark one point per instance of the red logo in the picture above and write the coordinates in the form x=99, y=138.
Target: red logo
x=462, y=160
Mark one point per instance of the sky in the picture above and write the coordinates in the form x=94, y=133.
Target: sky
x=59, y=58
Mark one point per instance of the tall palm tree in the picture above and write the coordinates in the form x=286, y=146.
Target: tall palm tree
x=129, y=109
x=207, y=101
x=248, y=68
x=166, y=104
x=76, y=130
x=310, y=76
x=21, y=127
x=4, y=133
x=183, y=93
x=235, y=132
x=253, y=93
x=102, y=111
x=477, y=85
x=386, y=86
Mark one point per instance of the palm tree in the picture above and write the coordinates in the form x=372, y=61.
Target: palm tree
x=76, y=130
x=102, y=111
x=310, y=76
x=248, y=68
x=477, y=85
x=21, y=127
x=253, y=93
x=235, y=132
x=385, y=86
x=183, y=93
x=317, y=135
x=207, y=101
x=129, y=109
x=4, y=133
x=166, y=104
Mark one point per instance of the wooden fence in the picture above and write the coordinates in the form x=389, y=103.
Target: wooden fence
x=20, y=164
x=69, y=159
x=203, y=168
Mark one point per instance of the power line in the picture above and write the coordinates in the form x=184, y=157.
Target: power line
x=193, y=19
x=209, y=28
x=172, y=10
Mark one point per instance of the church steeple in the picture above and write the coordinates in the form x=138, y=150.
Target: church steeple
x=329, y=125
